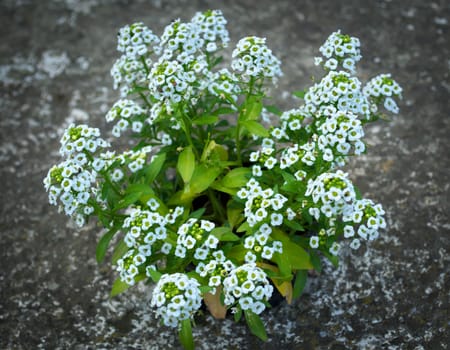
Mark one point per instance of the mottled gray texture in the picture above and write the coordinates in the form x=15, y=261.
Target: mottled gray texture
x=55, y=58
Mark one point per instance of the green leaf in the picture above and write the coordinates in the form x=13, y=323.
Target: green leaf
x=120, y=249
x=185, y=334
x=224, y=110
x=298, y=257
x=273, y=109
x=316, y=263
x=197, y=214
x=299, y=94
x=284, y=265
x=218, y=187
x=300, y=283
x=120, y=287
x=234, y=213
x=205, y=120
x=255, y=128
x=238, y=315
x=155, y=275
x=237, y=253
x=291, y=186
x=294, y=225
x=237, y=177
x=244, y=227
x=128, y=200
x=214, y=151
x=103, y=244
x=139, y=188
x=110, y=194
x=224, y=234
x=152, y=171
x=203, y=177
x=255, y=324
x=357, y=192
x=186, y=164
x=205, y=289
x=252, y=108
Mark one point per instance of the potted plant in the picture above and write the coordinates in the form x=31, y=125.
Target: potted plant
x=223, y=197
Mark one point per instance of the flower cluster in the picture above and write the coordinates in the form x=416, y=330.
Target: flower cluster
x=260, y=245
x=340, y=132
x=248, y=288
x=128, y=73
x=252, y=57
x=340, y=50
x=381, y=89
x=71, y=181
x=176, y=298
x=72, y=185
x=262, y=205
x=339, y=90
x=195, y=234
x=214, y=266
x=135, y=40
x=331, y=193
x=79, y=141
x=370, y=218
x=224, y=83
x=129, y=114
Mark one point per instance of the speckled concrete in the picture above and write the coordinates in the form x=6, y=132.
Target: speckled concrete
x=55, y=58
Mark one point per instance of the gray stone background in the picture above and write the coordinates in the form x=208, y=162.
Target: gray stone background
x=55, y=58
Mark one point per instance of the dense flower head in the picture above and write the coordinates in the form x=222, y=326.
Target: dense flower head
x=368, y=216
x=180, y=39
x=340, y=133
x=143, y=228
x=134, y=40
x=176, y=298
x=260, y=245
x=214, y=265
x=193, y=234
x=128, y=115
x=211, y=26
x=382, y=89
x=224, y=84
x=340, y=90
x=331, y=194
x=340, y=50
x=172, y=82
x=261, y=205
x=252, y=57
x=73, y=185
x=128, y=73
x=292, y=121
x=248, y=288
x=78, y=140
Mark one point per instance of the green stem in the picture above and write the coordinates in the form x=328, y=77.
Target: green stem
x=109, y=182
x=238, y=144
x=145, y=99
x=238, y=126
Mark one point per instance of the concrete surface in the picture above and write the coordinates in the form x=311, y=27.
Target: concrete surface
x=55, y=58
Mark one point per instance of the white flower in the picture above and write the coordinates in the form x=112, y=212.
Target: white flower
x=355, y=244
x=276, y=219
x=334, y=249
x=314, y=242
x=249, y=242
